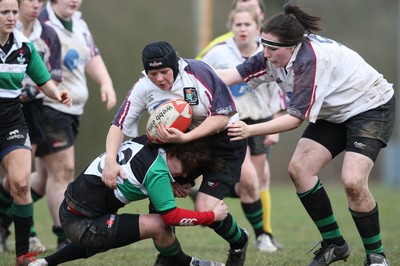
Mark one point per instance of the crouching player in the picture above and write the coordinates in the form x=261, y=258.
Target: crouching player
x=89, y=215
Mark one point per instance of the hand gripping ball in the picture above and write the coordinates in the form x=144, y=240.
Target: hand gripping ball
x=175, y=113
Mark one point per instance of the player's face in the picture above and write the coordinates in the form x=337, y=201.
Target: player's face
x=175, y=167
x=8, y=17
x=66, y=8
x=29, y=9
x=162, y=78
x=244, y=28
x=278, y=56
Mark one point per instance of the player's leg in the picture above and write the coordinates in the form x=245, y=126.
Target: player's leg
x=367, y=134
x=60, y=172
x=320, y=143
x=18, y=171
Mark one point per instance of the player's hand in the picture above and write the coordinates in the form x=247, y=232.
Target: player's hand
x=181, y=191
x=65, y=98
x=108, y=96
x=110, y=172
x=170, y=135
x=221, y=211
x=271, y=139
x=239, y=130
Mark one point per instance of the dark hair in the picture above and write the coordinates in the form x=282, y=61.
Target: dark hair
x=194, y=155
x=291, y=26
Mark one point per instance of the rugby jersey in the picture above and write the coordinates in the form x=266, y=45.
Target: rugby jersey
x=78, y=48
x=47, y=44
x=196, y=82
x=323, y=79
x=255, y=104
x=22, y=58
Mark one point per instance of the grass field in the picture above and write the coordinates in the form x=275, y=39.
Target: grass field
x=291, y=225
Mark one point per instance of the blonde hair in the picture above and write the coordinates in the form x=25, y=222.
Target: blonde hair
x=236, y=11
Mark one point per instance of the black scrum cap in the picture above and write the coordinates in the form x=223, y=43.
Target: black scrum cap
x=160, y=54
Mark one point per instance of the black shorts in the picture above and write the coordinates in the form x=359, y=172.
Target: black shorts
x=98, y=234
x=61, y=131
x=33, y=113
x=217, y=183
x=256, y=143
x=13, y=128
x=365, y=133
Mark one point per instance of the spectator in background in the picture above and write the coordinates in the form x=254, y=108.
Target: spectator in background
x=350, y=106
x=254, y=106
x=19, y=57
x=46, y=42
x=257, y=5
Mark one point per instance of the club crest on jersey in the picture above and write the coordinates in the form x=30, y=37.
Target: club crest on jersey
x=21, y=59
x=191, y=96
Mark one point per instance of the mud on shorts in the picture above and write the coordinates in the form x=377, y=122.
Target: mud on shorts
x=217, y=183
x=61, y=131
x=365, y=133
x=13, y=128
x=94, y=234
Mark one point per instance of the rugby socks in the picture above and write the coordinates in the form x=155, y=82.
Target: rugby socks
x=23, y=218
x=229, y=230
x=67, y=253
x=254, y=213
x=367, y=224
x=319, y=208
x=176, y=253
x=265, y=198
x=35, y=197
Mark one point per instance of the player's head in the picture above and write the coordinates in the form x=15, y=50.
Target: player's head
x=158, y=55
x=257, y=5
x=194, y=156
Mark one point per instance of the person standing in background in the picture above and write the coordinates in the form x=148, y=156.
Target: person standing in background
x=46, y=42
x=19, y=57
x=257, y=5
x=254, y=106
x=265, y=176
x=80, y=56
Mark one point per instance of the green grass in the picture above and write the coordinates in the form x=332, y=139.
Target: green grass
x=291, y=226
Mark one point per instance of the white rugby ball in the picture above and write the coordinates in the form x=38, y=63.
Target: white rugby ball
x=175, y=113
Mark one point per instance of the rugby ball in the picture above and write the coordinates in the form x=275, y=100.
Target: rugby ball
x=175, y=113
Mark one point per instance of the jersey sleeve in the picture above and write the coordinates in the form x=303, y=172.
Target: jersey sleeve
x=130, y=111
x=54, y=62
x=255, y=71
x=158, y=185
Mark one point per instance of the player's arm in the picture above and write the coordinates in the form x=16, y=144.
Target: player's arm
x=229, y=76
x=158, y=185
x=97, y=70
x=111, y=168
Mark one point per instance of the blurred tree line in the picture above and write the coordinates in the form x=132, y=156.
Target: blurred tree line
x=122, y=28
